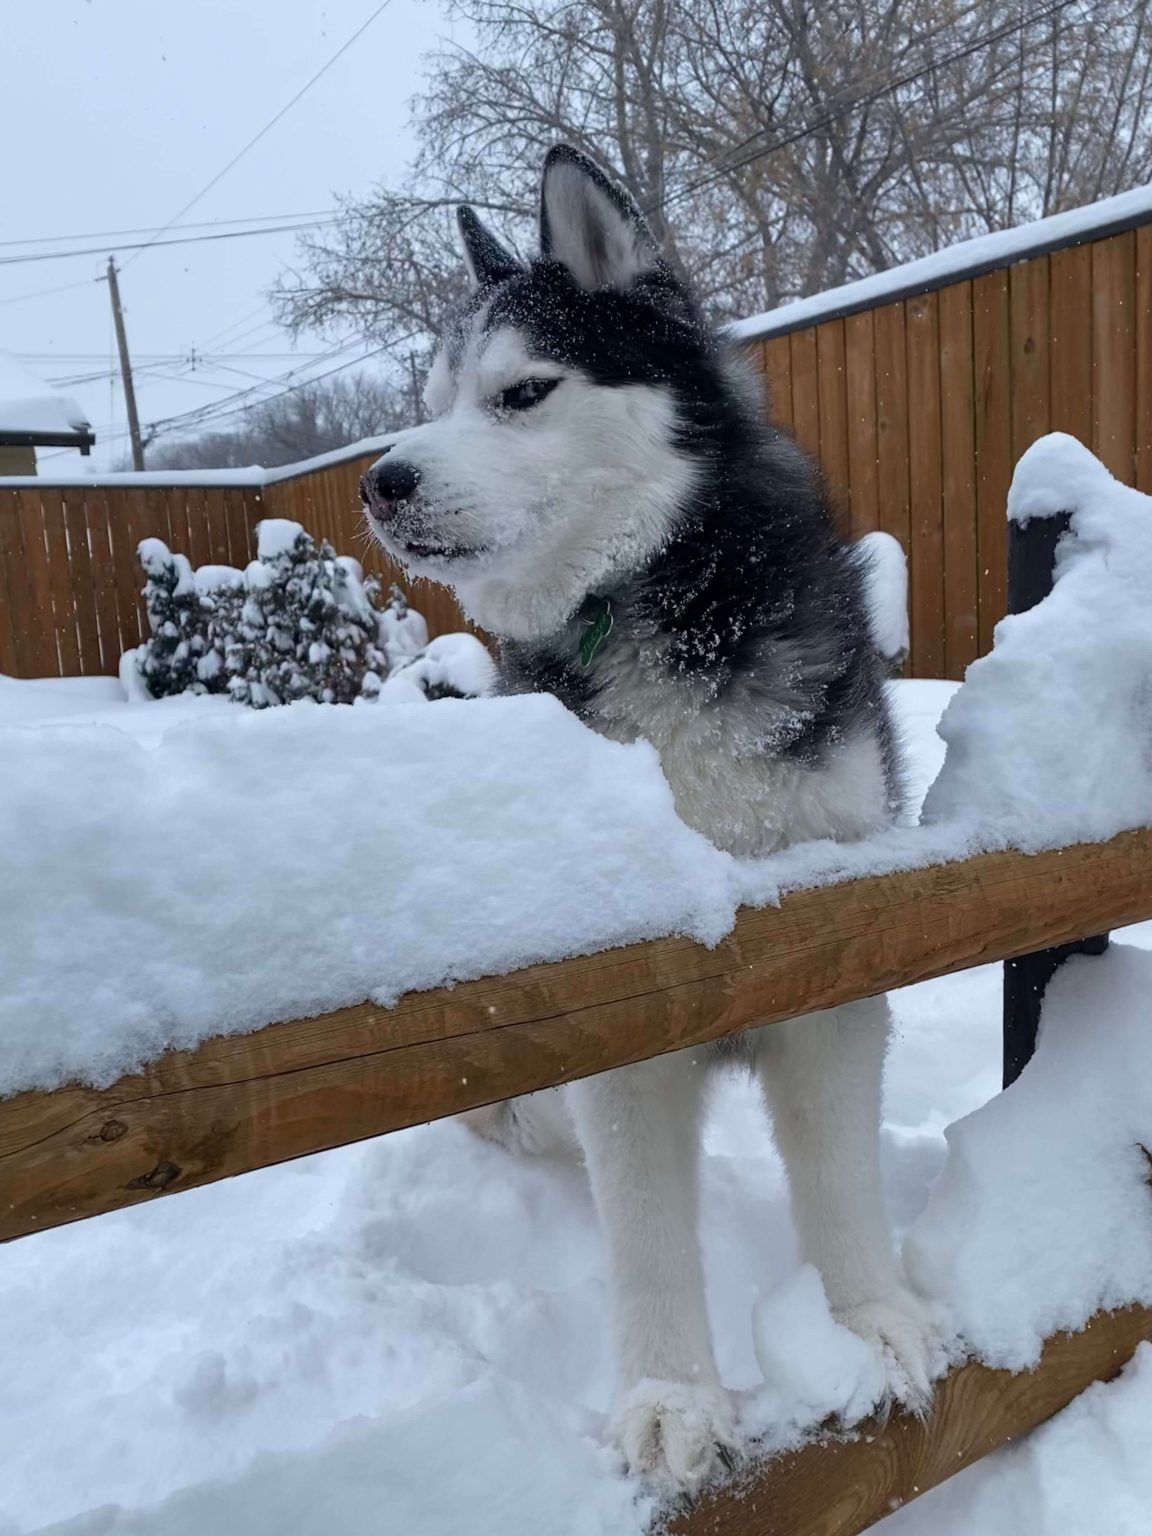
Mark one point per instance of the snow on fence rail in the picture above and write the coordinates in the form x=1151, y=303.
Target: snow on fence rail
x=242, y=1102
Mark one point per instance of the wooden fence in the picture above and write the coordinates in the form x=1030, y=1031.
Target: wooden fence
x=70, y=580
x=918, y=408
x=917, y=403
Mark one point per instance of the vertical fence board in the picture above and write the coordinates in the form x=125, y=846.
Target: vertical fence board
x=125, y=528
x=36, y=630
x=1030, y=379
x=860, y=384
x=96, y=511
x=216, y=526
x=60, y=580
x=833, y=396
x=805, y=395
x=926, y=563
x=892, y=428
x=1143, y=328
x=1070, y=341
x=776, y=356
x=83, y=591
x=991, y=343
x=14, y=619
x=958, y=479
x=1114, y=354
x=235, y=510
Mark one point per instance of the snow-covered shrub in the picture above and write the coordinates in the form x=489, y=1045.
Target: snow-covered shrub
x=299, y=622
x=168, y=663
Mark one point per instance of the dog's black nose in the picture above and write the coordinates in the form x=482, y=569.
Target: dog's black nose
x=389, y=481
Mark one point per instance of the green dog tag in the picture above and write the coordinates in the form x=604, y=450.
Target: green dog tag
x=599, y=628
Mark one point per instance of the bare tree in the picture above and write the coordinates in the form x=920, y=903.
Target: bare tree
x=299, y=424
x=778, y=146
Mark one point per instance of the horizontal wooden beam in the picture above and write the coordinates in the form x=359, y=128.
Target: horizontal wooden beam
x=243, y=1102
x=841, y=1487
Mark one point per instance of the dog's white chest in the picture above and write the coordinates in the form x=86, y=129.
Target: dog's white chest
x=727, y=783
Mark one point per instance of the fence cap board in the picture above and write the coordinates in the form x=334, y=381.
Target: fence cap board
x=955, y=263
x=254, y=475
x=246, y=1101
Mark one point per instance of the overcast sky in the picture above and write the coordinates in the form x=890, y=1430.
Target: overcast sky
x=115, y=113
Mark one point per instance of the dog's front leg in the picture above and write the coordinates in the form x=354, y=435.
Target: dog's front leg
x=640, y=1129
x=822, y=1079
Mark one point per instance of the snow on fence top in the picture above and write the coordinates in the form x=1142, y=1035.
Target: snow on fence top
x=28, y=405
x=966, y=259
x=254, y=475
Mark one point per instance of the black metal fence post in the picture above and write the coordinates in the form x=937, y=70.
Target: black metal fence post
x=1031, y=557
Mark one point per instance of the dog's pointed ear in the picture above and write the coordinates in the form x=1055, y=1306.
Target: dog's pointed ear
x=591, y=224
x=486, y=259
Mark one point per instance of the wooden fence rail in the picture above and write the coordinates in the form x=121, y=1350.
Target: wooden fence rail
x=242, y=1102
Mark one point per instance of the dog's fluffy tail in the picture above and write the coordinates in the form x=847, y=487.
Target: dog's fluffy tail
x=536, y=1123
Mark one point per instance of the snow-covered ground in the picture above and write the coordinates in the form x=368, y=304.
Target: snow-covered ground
x=409, y=1336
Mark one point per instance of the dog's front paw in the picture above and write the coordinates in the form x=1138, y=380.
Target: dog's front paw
x=676, y=1434
x=907, y=1335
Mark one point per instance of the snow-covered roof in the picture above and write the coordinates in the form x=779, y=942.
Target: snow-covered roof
x=29, y=406
x=968, y=258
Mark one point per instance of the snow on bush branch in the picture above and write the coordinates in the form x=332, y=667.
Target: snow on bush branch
x=299, y=622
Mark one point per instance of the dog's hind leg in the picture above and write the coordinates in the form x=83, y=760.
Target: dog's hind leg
x=534, y=1123
x=822, y=1080
x=640, y=1129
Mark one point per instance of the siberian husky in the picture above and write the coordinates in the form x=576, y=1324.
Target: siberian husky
x=600, y=489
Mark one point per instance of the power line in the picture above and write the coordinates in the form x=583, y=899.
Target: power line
x=142, y=245
x=145, y=229
x=215, y=411
x=234, y=401
x=43, y=293
x=268, y=126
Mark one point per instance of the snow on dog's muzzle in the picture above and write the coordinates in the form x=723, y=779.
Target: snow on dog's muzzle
x=388, y=486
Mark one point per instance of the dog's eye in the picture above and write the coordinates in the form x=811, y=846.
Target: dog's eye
x=526, y=394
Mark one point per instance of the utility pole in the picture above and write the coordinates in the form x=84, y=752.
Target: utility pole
x=125, y=368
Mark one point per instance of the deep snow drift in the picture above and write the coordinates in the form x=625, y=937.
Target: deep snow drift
x=410, y=1336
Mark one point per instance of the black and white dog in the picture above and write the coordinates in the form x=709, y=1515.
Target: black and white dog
x=599, y=488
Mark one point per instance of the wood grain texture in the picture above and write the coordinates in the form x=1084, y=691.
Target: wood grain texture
x=1114, y=354
x=991, y=345
x=892, y=423
x=925, y=488
x=1143, y=328
x=776, y=360
x=1031, y=383
x=841, y=1487
x=958, y=478
x=1070, y=341
x=246, y=1101
x=805, y=392
x=860, y=380
x=833, y=394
